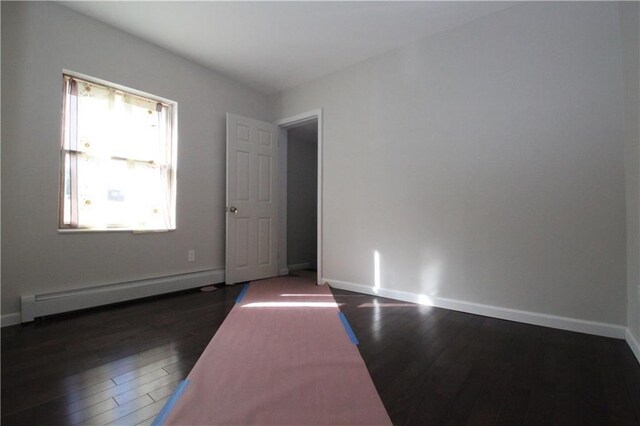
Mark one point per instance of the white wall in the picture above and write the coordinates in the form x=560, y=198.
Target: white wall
x=0, y=156
x=630, y=23
x=484, y=164
x=302, y=190
x=38, y=41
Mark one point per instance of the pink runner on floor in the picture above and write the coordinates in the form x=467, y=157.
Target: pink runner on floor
x=282, y=357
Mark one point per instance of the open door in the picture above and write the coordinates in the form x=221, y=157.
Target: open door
x=252, y=200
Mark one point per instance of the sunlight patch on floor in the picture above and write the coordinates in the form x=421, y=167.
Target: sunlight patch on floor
x=291, y=305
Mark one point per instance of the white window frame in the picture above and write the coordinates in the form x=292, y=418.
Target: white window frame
x=173, y=108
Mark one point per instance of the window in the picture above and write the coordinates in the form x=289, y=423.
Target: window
x=118, y=158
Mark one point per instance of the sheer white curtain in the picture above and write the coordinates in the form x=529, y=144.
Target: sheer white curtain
x=118, y=159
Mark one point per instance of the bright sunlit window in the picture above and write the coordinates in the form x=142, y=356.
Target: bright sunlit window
x=118, y=158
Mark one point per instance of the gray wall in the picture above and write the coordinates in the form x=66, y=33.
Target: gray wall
x=487, y=163
x=484, y=164
x=302, y=192
x=38, y=41
x=630, y=23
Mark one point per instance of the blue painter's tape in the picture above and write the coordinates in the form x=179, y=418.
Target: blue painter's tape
x=242, y=293
x=162, y=416
x=348, y=329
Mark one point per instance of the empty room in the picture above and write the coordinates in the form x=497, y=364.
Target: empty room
x=288, y=213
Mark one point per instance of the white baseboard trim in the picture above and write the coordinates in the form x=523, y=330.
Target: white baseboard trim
x=284, y=271
x=10, y=319
x=534, y=318
x=34, y=306
x=299, y=266
x=633, y=343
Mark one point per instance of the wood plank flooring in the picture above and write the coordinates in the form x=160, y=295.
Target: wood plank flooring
x=112, y=365
x=119, y=364
x=435, y=366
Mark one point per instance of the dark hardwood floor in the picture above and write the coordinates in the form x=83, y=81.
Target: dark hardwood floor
x=116, y=364
x=431, y=366
x=435, y=366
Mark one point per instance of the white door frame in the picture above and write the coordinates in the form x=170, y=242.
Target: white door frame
x=284, y=125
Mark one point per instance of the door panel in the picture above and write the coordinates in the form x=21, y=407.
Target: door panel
x=242, y=239
x=264, y=241
x=242, y=175
x=264, y=180
x=252, y=199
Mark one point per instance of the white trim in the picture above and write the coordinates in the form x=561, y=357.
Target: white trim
x=299, y=119
x=173, y=145
x=299, y=266
x=633, y=343
x=535, y=318
x=104, y=230
x=10, y=319
x=34, y=306
x=283, y=147
x=284, y=271
x=289, y=122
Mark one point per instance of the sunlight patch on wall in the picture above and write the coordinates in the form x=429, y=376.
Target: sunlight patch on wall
x=376, y=271
x=430, y=277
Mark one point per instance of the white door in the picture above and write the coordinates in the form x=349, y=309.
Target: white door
x=252, y=200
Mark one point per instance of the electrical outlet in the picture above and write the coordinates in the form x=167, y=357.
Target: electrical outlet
x=191, y=255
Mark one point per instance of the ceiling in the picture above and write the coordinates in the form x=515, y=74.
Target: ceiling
x=272, y=46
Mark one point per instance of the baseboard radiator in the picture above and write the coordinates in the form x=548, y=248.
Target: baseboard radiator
x=34, y=306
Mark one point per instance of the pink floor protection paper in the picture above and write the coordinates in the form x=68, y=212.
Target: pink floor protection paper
x=282, y=357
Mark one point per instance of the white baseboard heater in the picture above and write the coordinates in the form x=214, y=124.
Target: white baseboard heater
x=39, y=305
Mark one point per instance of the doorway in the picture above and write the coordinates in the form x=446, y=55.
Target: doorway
x=302, y=194
x=300, y=213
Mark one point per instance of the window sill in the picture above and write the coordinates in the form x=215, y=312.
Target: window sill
x=102, y=231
